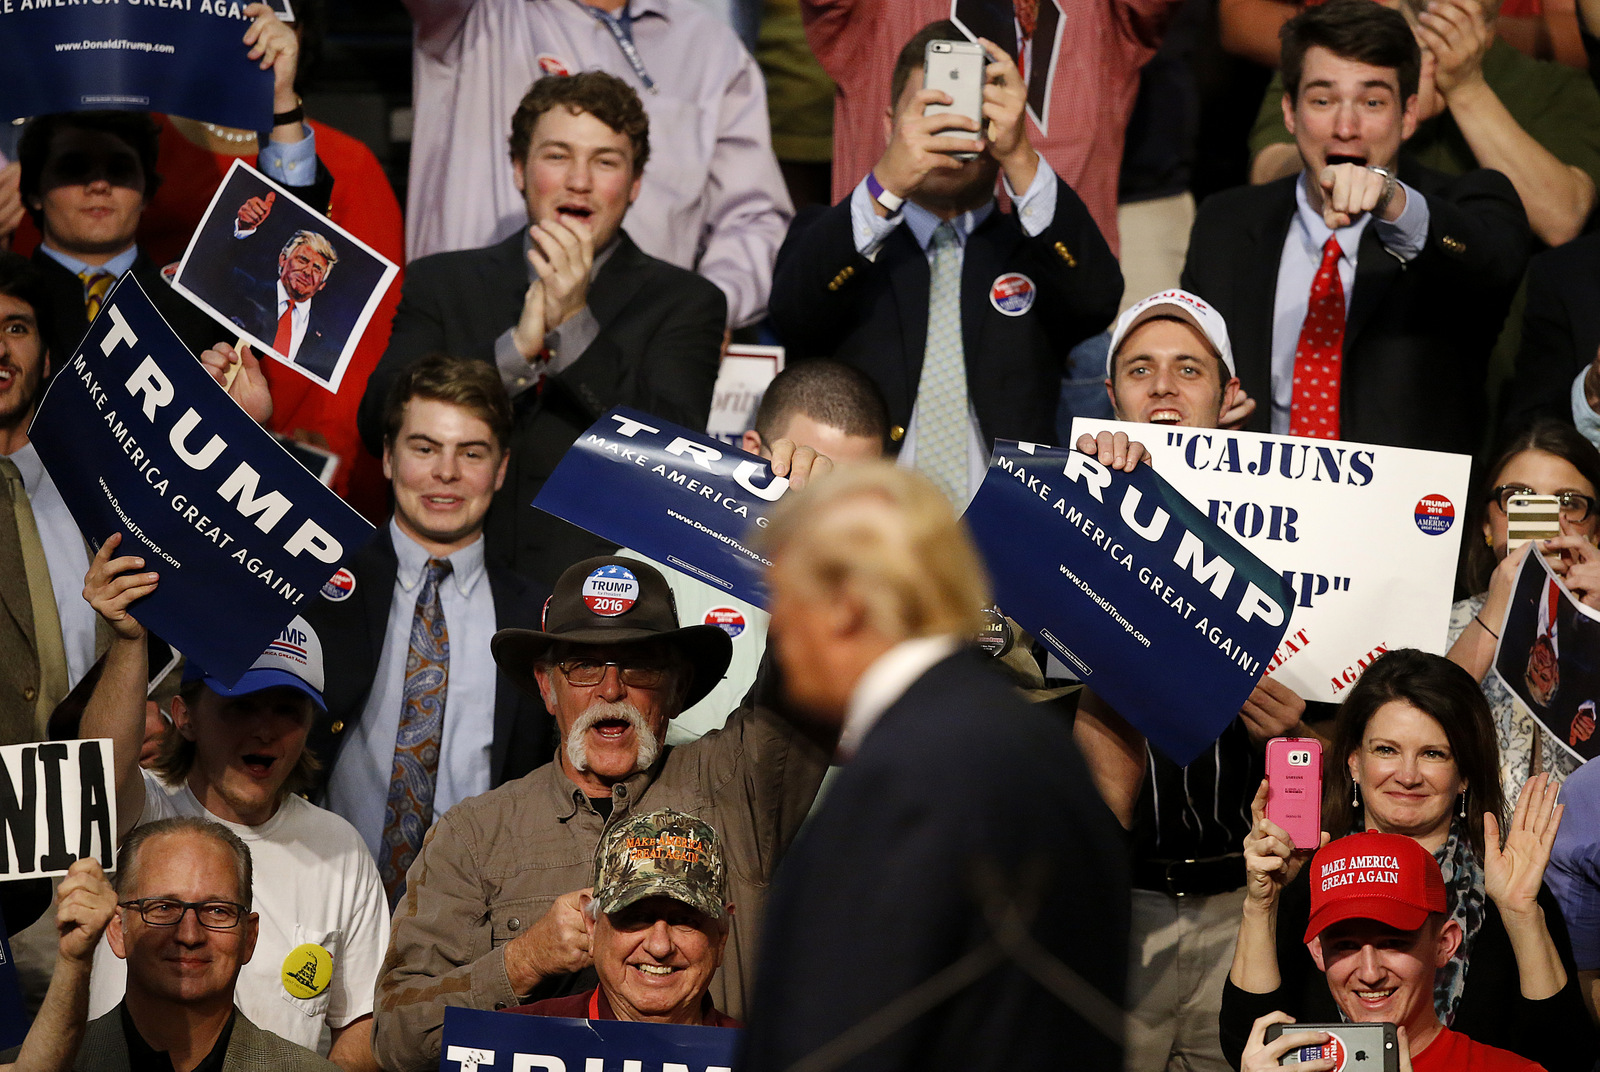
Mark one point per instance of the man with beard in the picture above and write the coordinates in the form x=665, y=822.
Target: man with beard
x=47, y=633
x=492, y=915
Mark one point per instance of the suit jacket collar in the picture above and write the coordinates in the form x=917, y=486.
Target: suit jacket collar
x=382, y=571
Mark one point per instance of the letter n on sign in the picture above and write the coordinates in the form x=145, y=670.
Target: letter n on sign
x=57, y=804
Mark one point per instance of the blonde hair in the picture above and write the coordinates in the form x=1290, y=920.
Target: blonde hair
x=888, y=538
x=318, y=244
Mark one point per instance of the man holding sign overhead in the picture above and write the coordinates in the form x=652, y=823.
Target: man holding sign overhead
x=1171, y=362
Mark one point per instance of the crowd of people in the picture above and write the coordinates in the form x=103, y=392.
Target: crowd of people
x=461, y=778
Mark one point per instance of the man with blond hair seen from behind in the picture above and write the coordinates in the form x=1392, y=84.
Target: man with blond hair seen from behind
x=959, y=804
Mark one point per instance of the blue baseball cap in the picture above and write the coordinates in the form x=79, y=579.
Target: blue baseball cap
x=293, y=659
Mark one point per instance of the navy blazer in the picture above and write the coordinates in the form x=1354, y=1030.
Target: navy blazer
x=1418, y=335
x=352, y=631
x=962, y=797
x=830, y=301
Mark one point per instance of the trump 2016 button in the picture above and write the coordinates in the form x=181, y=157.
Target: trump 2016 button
x=610, y=591
x=1012, y=293
x=1435, y=514
x=337, y=588
x=727, y=618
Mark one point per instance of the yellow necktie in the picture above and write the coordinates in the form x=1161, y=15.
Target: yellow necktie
x=95, y=287
x=46, y=621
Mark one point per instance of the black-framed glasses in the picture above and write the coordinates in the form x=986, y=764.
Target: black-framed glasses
x=165, y=912
x=638, y=675
x=1575, y=506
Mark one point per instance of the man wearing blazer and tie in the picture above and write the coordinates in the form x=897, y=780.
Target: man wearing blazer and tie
x=419, y=717
x=1364, y=294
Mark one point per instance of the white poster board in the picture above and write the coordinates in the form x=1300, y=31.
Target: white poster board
x=57, y=803
x=746, y=371
x=1368, y=536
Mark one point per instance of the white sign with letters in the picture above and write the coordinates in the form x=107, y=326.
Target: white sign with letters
x=1367, y=536
x=57, y=803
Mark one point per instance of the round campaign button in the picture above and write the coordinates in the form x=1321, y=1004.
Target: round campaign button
x=610, y=591
x=549, y=64
x=1012, y=293
x=1435, y=514
x=307, y=970
x=996, y=635
x=727, y=618
x=337, y=588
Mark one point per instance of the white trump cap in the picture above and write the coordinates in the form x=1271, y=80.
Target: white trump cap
x=294, y=659
x=1184, y=306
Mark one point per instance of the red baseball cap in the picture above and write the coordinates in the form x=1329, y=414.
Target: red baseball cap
x=1386, y=877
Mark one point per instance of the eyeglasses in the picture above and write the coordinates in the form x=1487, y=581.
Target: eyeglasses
x=643, y=675
x=212, y=915
x=1575, y=507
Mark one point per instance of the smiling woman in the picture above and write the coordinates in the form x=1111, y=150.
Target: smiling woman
x=1414, y=754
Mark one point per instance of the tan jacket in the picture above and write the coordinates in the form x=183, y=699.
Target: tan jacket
x=494, y=864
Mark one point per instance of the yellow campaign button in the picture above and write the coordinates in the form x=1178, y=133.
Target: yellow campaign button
x=307, y=970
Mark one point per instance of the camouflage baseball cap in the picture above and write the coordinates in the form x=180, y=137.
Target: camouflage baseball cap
x=661, y=854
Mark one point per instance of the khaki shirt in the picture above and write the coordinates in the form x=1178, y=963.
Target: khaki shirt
x=494, y=864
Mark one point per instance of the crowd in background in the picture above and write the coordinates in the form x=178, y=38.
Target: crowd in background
x=501, y=763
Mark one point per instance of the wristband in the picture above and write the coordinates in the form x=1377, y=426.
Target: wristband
x=1390, y=185
x=891, y=204
x=296, y=114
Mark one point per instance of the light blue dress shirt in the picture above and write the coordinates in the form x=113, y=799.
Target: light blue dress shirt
x=1035, y=209
x=1297, y=267
x=359, y=786
x=67, y=558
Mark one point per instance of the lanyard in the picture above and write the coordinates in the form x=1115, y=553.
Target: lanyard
x=621, y=29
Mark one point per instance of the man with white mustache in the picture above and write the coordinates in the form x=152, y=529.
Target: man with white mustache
x=493, y=915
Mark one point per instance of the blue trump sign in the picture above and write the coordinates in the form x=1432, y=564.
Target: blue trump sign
x=141, y=440
x=477, y=1041
x=184, y=57
x=1168, y=618
x=678, y=496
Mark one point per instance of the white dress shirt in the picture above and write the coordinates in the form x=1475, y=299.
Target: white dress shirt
x=884, y=682
x=1035, y=209
x=1302, y=256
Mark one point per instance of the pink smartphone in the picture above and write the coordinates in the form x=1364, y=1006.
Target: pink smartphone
x=1294, y=789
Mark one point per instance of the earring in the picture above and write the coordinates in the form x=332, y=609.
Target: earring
x=1488, y=540
x=1355, y=796
x=1463, y=803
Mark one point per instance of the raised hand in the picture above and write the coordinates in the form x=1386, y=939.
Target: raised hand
x=1271, y=858
x=254, y=212
x=1513, y=873
x=248, y=386
x=86, y=902
x=111, y=585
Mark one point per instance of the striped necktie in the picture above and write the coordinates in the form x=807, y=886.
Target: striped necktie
x=96, y=285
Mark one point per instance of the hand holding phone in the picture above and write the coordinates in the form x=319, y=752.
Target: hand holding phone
x=1355, y=1047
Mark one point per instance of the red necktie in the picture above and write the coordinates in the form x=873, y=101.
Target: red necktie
x=285, y=336
x=1314, y=408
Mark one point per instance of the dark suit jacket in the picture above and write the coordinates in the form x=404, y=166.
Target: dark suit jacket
x=68, y=318
x=1560, y=332
x=1418, y=336
x=319, y=348
x=658, y=350
x=352, y=633
x=877, y=895
x=829, y=301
